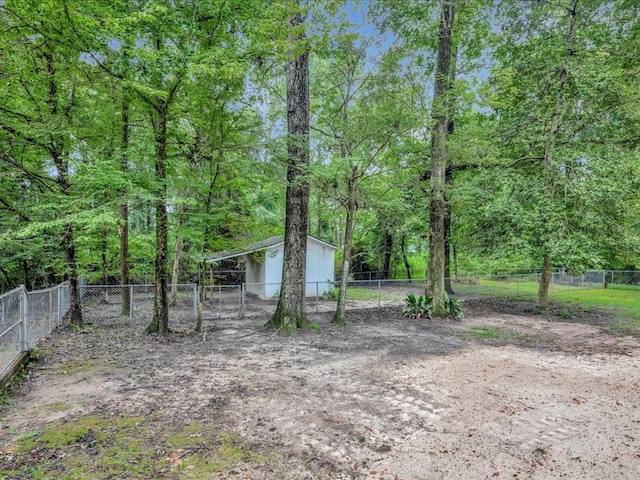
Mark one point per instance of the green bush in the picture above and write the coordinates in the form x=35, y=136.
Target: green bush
x=453, y=306
x=417, y=307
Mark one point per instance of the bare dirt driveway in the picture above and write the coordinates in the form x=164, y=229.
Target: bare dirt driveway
x=502, y=394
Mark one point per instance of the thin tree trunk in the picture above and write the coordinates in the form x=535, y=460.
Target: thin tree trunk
x=160, y=322
x=403, y=249
x=25, y=270
x=290, y=313
x=175, y=271
x=75, y=309
x=123, y=224
x=435, y=287
x=455, y=261
x=447, y=231
x=193, y=163
x=549, y=151
x=202, y=272
x=58, y=156
x=105, y=262
x=388, y=249
x=351, y=207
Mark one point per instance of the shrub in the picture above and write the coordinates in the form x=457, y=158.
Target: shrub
x=453, y=306
x=417, y=307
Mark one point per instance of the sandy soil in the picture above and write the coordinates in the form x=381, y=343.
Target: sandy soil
x=502, y=394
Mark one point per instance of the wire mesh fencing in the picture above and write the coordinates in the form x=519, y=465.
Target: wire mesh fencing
x=26, y=317
x=12, y=311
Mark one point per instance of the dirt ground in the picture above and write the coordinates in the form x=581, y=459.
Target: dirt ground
x=504, y=393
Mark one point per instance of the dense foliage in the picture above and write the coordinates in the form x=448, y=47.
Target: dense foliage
x=153, y=133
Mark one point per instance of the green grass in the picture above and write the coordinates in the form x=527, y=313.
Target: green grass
x=95, y=447
x=485, y=332
x=367, y=294
x=622, y=300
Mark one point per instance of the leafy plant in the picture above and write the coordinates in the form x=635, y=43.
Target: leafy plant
x=565, y=314
x=453, y=306
x=314, y=327
x=417, y=307
x=331, y=294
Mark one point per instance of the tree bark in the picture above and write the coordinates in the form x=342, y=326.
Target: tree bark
x=123, y=224
x=388, y=249
x=105, y=262
x=351, y=207
x=193, y=164
x=549, y=151
x=160, y=322
x=57, y=152
x=435, y=287
x=75, y=309
x=175, y=271
x=290, y=313
x=403, y=249
x=447, y=229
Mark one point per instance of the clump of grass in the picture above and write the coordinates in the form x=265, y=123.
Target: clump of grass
x=95, y=447
x=486, y=332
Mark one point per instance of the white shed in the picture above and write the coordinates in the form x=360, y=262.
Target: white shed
x=263, y=261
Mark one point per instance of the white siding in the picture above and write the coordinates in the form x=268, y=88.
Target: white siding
x=273, y=272
x=255, y=277
x=263, y=279
x=320, y=269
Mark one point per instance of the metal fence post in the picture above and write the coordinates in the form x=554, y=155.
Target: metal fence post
x=50, y=310
x=379, y=293
x=130, y=303
x=59, y=312
x=24, y=341
x=242, y=290
x=219, y=301
x=317, y=295
x=195, y=300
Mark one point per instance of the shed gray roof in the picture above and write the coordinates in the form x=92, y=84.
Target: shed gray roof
x=257, y=246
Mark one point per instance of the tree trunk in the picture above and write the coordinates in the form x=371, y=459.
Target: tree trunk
x=123, y=224
x=388, y=249
x=549, y=150
x=202, y=272
x=175, y=272
x=435, y=287
x=193, y=158
x=403, y=249
x=75, y=309
x=447, y=230
x=160, y=322
x=105, y=262
x=25, y=270
x=545, y=281
x=290, y=312
x=57, y=152
x=351, y=206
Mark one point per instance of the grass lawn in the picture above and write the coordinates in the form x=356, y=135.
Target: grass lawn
x=623, y=299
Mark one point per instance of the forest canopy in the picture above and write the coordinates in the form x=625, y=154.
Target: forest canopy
x=138, y=132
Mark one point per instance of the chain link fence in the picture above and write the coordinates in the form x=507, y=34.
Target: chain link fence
x=12, y=310
x=26, y=317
